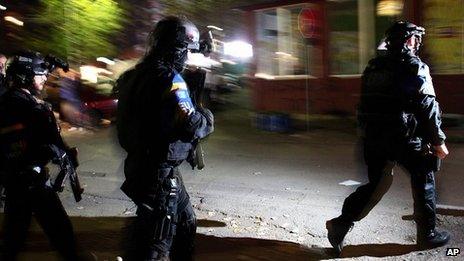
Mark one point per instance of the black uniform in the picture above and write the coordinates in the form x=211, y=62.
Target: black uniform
x=27, y=129
x=400, y=118
x=158, y=137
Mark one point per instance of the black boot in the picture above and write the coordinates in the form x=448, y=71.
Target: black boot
x=337, y=229
x=432, y=239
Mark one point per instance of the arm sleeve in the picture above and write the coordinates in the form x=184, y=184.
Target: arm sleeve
x=430, y=116
x=197, y=122
x=427, y=108
x=200, y=123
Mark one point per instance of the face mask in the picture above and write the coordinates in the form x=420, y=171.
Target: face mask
x=180, y=59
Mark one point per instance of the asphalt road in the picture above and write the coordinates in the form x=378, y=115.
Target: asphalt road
x=280, y=187
x=264, y=196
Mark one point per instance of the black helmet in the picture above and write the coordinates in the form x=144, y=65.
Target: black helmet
x=399, y=32
x=25, y=65
x=171, y=38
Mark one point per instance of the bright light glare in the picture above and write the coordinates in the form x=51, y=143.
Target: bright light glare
x=90, y=73
x=13, y=20
x=214, y=27
x=228, y=61
x=238, y=49
x=389, y=7
x=105, y=60
x=264, y=76
x=3, y=8
x=283, y=53
x=199, y=60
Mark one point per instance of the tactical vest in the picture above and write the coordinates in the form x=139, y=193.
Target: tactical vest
x=384, y=111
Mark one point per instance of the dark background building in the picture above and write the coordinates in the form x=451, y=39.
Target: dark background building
x=309, y=55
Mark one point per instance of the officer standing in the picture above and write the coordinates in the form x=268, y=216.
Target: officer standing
x=27, y=131
x=400, y=120
x=158, y=126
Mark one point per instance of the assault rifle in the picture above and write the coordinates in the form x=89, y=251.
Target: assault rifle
x=195, y=78
x=67, y=170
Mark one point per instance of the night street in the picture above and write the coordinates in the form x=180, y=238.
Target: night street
x=302, y=108
x=262, y=196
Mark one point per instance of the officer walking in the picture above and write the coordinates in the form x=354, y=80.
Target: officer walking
x=158, y=126
x=27, y=131
x=400, y=120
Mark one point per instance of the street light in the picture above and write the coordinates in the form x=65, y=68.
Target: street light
x=3, y=8
x=238, y=49
x=389, y=7
x=13, y=20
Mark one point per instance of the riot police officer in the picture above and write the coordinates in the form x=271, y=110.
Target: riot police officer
x=158, y=126
x=400, y=120
x=27, y=131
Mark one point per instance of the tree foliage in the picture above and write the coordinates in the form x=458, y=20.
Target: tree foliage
x=205, y=12
x=77, y=29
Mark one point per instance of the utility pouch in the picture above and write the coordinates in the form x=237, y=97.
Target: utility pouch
x=165, y=227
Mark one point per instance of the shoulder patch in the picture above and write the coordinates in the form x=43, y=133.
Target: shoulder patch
x=178, y=83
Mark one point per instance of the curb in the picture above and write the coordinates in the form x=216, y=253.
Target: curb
x=449, y=210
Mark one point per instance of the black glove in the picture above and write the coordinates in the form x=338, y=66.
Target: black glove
x=207, y=114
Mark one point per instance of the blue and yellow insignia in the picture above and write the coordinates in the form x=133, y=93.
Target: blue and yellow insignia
x=178, y=83
x=180, y=90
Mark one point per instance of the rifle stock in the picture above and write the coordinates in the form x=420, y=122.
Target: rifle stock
x=196, y=82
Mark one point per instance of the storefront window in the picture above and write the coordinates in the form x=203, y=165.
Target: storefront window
x=356, y=28
x=343, y=37
x=282, y=48
x=444, y=39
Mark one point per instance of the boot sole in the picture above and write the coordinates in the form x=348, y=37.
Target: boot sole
x=428, y=245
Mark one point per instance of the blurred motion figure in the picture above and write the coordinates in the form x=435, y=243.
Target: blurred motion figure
x=400, y=121
x=158, y=126
x=28, y=132
x=2, y=74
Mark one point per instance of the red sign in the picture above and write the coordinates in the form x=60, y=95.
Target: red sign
x=308, y=23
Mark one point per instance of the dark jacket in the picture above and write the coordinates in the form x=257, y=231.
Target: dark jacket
x=152, y=124
x=27, y=129
x=398, y=103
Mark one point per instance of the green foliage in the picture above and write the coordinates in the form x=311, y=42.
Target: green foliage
x=77, y=29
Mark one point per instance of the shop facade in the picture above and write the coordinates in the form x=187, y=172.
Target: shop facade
x=309, y=55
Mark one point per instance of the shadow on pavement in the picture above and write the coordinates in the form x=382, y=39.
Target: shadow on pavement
x=458, y=212
x=211, y=248
x=101, y=237
x=408, y=217
x=377, y=250
x=454, y=212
